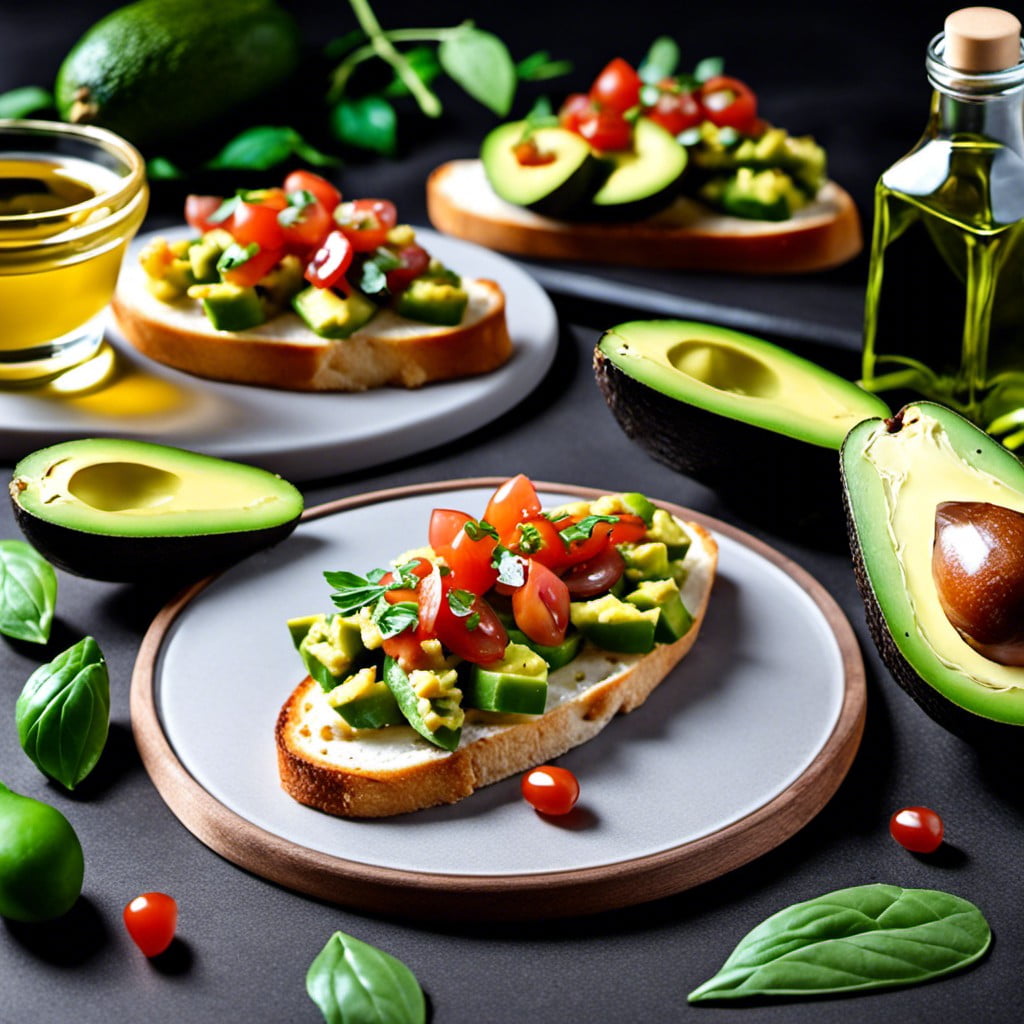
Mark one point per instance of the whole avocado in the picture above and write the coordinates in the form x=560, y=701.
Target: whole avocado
x=156, y=68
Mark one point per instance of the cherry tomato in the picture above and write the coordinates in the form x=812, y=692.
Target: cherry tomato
x=479, y=637
x=550, y=789
x=541, y=606
x=151, y=920
x=576, y=106
x=406, y=649
x=306, y=181
x=415, y=260
x=625, y=530
x=676, y=111
x=199, y=209
x=918, y=829
x=366, y=222
x=330, y=262
x=513, y=502
x=254, y=269
x=420, y=569
x=306, y=228
x=606, y=130
x=253, y=222
x=529, y=154
x=539, y=539
x=596, y=575
x=468, y=559
x=617, y=87
x=274, y=198
x=729, y=103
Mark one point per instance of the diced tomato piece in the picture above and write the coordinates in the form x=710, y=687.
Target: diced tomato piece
x=606, y=130
x=252, y=222
x=541, y=606
x=254, y=269
x=306, y=181
x=617, y=87
x=199, y=209
x=415, y=260
x=478, y=637
x=574, y=109
x=513, y=502
x=330, y=262
x=366, y=222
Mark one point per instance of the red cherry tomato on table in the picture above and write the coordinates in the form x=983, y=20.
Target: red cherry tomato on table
x=541, y=606
x=330, y=262
x=729, y=103
x=918, y=829
x=550, y=789
x=151, y=920
x=617, y=87
x=366, y=222
x=306, y=181
x=606, y=130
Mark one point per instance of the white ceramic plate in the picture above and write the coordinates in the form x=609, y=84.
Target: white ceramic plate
x=734, y=752
x=299, y=435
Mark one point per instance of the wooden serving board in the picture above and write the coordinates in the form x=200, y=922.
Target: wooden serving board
x=736, y=751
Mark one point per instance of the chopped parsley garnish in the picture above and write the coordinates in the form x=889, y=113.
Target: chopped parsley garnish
x=530, y=539
x=235, y=255
x=355, y=591
x=477, y=528
x=295, y=212
x=392, y=619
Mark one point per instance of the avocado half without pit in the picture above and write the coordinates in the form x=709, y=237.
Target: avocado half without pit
x=127, y=511
x=936, y=510
x=757, y=423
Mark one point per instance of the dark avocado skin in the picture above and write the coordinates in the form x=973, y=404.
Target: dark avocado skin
x=974, y=729
x=143, y=559
x=769, y=478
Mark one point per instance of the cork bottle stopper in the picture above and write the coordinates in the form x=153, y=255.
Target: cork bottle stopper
x=982, y=39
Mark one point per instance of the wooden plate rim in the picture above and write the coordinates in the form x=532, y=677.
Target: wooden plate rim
x=500, y=897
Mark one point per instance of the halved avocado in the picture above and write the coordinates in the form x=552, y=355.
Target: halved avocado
x=115, y=509
x=645, y=178
x=566, y=177
x=750, y=419
x=895, y=472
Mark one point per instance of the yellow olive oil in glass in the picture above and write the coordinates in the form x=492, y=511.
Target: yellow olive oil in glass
x=944, y=310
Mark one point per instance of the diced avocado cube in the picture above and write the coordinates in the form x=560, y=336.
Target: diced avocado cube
x=203, y=255
x=283, y=283
x=366, y=702
x=615, y=625
x=674, y=620
x=229, y=307
x=329, y=648
x=555, y=655
x=168, y=273
x=664, y=527
x=640, y=505
x=299, y=627
x=768, y=194
x=645, y=561
x=330, y=315
x=516, y=684
x=433, y=302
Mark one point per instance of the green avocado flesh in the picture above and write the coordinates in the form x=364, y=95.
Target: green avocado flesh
x=567, y=178
x=117, y=509
x=895, y=473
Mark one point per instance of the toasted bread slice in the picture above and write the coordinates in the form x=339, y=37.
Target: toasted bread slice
x=284, y=353
x=686, y=236
x=378, y=773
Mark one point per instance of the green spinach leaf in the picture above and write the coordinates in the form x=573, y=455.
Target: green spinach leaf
x=480, y=63
x=355, y=983
x=63, y=713
x=866, y=937
x=28, y=592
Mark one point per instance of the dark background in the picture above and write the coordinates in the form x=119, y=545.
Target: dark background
x=851, y=74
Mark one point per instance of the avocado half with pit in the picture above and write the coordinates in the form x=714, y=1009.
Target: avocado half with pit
x=895, y=473
x=122, y=510
x=750, y=419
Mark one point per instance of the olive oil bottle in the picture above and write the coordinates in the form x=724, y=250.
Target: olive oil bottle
x=944, y=310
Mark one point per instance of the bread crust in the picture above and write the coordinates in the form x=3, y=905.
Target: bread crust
x=687, y=236
x=440, y=777
x=283, y=353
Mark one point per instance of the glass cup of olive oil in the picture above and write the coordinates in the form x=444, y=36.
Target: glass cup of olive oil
x=71, y=199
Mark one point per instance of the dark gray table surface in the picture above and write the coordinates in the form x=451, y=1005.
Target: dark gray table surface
x=854, y=77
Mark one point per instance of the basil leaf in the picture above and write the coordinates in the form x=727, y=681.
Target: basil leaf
x=236, y=255
x=63, y=713
x=159, y=168
x=28, y=592
x=480, y=62
x=424, y=63
x=392, y=619
x=369, y=122
x=477, y=528
x=263, y=147
x=355, y=983
x=461, y=603
x=866, y=937
x=353, y=591
x=584, y=528
x=539, y=66
x=28, y=99
x=661, y=61
x=709, y=67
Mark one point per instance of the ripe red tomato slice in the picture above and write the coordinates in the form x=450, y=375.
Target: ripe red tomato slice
x=254, y=222
x=199, y=209
x=918, y=829
x=541, y=606
x=415, y=260
x=406, y=649
x=576, y=106
x=306, y=228
x=676, y=111
x=550, y=789
x=366, y=222
x=513, y=502
x=330, y=262
x=468, y=559
x=595, y=576
x=254, y=269
x=539, y=539
x=606, y=130
x=420, y=569
x=306, y=181
x=626, y=529
x=729, y=103
x=479, y=637
x=151, y=920
x=617, y=87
